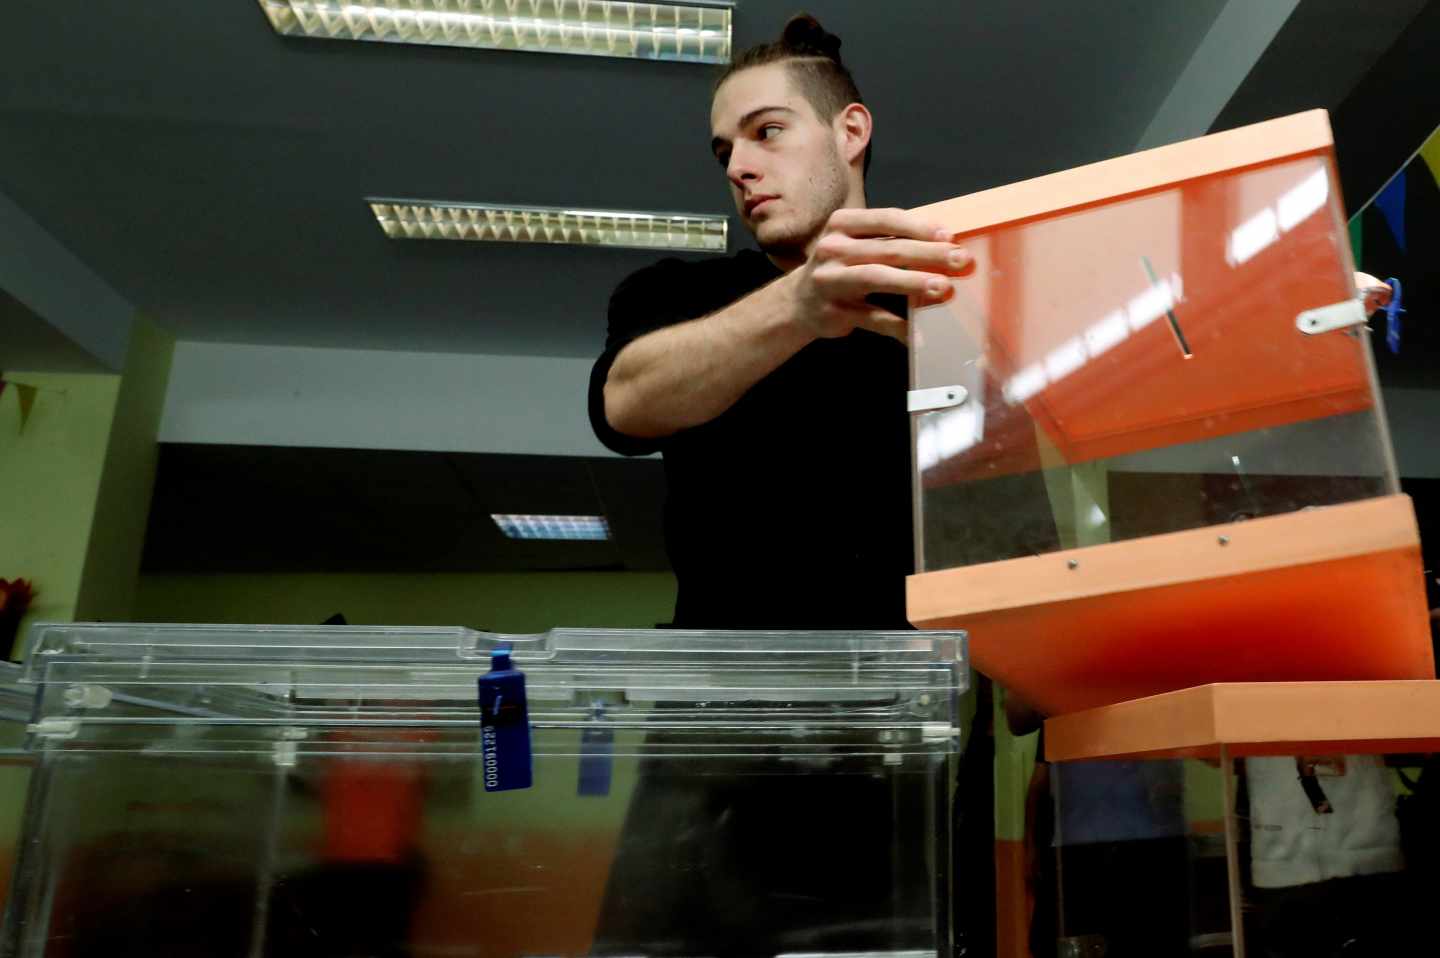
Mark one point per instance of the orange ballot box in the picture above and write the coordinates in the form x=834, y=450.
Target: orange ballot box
x=1149, y=450
x=1267, y=818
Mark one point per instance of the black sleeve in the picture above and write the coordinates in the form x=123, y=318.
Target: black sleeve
x=644, y=302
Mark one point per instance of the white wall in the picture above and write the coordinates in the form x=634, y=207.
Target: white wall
x=292, y=396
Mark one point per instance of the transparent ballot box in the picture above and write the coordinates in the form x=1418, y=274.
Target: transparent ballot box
x=17, y=700
x=1149, y=449
x=232, y=790
x=1249, y=819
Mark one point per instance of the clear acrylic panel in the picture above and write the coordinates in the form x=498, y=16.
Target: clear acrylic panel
x=278, y=791
x=17, y=702
x=1271, y=855
x=1138, y=366
x=1138, y=859
x=210, y=852
x=1335, y=853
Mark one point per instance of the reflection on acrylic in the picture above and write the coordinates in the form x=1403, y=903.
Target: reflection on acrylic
x=1144, y=308
x=1292, y=208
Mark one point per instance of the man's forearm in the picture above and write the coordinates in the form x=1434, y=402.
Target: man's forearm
x=688, y=374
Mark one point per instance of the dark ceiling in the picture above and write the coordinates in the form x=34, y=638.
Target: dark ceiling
x=213, y=171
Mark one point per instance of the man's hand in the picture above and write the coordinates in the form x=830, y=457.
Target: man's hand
x=865, y=251
x=1373, y=293
x=689, y=373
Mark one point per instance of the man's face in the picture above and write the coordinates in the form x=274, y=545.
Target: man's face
x=783, y=162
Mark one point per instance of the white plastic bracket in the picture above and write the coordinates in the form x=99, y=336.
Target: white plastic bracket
x=55, y=728
x=88, y=697
x=286, y=754
x=1327, y=319
x=938, y=732
x=937, y=397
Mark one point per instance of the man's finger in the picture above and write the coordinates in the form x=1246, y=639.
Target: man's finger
x=874, y=223
x=885, y=323
x=857, y=282
x=945, y=259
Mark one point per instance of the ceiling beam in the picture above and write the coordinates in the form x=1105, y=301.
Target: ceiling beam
x=54, y=285
x=1232, y=46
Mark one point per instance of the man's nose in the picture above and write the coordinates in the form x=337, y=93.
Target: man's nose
x=740, y=170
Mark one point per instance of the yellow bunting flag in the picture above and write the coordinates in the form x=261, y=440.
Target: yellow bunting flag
x=26, y=395
x=1431, y=154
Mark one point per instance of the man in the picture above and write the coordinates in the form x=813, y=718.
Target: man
x=773, y=382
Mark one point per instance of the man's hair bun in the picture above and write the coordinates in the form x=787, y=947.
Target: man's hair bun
x=804, y=36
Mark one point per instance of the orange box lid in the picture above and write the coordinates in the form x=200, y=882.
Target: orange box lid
x=1256, y=718
x=1121, y=176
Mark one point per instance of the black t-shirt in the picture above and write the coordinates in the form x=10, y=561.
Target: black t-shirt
x=792, y=508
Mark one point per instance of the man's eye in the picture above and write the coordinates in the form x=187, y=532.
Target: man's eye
x=765, y=131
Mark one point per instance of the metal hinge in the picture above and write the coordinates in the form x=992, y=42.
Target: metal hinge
x=1327, y=319
x=937, y=397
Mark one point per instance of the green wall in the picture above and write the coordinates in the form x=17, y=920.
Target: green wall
x=1014, y=766
x=49, y=481
x=498, y=602
x=75, y=484
x=112, y=558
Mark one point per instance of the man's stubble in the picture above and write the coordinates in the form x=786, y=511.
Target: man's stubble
x=825, y=193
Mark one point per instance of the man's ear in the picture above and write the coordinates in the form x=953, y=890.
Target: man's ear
x=853, y=126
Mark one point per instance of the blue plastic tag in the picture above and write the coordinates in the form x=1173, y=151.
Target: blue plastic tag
x=504, y=726
x=597, y=751
x=1392, y=316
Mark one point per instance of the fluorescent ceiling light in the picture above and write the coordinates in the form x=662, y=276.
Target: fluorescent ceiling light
x=420, y=219
x=648, y=31
x=593, y=528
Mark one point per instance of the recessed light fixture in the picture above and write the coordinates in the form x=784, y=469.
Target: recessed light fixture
x=592, y=528
x=691, y=32
x=424, y=219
